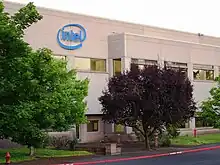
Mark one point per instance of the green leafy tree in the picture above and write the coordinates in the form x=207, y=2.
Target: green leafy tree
x=211, y=107
x=37, y=92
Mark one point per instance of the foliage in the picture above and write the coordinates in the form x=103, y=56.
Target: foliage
x=148, y=99
x=63, y=142
x=37, y=92
x=211, y=107
x=164, y=140
x=173, y=130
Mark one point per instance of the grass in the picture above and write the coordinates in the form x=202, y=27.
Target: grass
x=199, y=140
x=21, y=154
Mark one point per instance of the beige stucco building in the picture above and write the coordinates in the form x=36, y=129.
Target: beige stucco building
x=111, y=46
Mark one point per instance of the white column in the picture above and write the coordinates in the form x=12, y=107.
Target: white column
x=83, y=133
x=110, y=67
x=70, y=62
x=128, y=130
x=125, y=63
x=216, y=71
x=190, y=71
x=192, y=123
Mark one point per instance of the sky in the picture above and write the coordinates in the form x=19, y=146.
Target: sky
x=196, y=16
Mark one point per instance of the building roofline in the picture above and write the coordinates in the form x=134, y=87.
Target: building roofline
x=112, y=20
x=167, y=39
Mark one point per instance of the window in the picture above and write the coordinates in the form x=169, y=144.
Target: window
x=60, y=57
x=92, y=126
x=116, y=66
x=98, y=65
x=82, y=63
x=203, y=72
x=119, y=128
x=90, y=64
x=143, y=62
x=177, y=65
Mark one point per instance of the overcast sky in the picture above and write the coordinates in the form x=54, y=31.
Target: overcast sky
x=197, y=16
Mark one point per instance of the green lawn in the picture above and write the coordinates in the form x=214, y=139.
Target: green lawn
x=202, y=139
x=21, y=154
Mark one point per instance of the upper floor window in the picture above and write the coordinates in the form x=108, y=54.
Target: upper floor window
x=98, y=65
x=90, y=64
x=177, y=65
x=143, y=62
x=116, y=66
x=60, y=57
x=203, y=72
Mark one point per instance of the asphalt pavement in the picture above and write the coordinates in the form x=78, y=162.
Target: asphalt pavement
x=211, y=157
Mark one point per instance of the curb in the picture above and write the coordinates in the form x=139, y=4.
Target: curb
x=144, y=157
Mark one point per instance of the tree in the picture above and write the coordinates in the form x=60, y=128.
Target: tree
x=148, y=99
x=211, y=107
x=37, y=92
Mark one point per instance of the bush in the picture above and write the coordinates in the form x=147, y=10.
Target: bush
x=63, y=142
x=73, y=144
x=45, y=141
x=164, y=140
x=172, y=131
x=60, y=142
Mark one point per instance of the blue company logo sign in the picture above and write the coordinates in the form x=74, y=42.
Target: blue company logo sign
x=69, y=39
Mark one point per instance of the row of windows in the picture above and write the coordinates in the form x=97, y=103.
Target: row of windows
x=93, y=126
x=90, y=64
x=200, y=72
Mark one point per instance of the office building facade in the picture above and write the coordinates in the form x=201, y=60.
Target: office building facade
x=99, y=48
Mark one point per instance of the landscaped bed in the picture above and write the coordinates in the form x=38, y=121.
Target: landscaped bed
x=199, y=140
x=21, y=154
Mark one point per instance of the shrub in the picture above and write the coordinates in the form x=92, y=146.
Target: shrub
x=164, y=140
x=172, y=131
x=63, y=142
x=73, y=143
x=60, y=142
x=45, y=141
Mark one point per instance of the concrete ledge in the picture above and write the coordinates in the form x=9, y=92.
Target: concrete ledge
x=200, y=131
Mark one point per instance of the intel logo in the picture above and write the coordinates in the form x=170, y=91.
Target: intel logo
x=71, y=36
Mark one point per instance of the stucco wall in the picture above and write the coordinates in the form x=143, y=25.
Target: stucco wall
x=86, y=136
x=152, y=48
x=144, y=44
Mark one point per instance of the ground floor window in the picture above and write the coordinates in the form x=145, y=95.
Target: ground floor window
x=92, y=126
x=119, y=128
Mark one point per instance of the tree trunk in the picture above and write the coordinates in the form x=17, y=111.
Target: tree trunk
x=31, y=151
x=147, y=144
